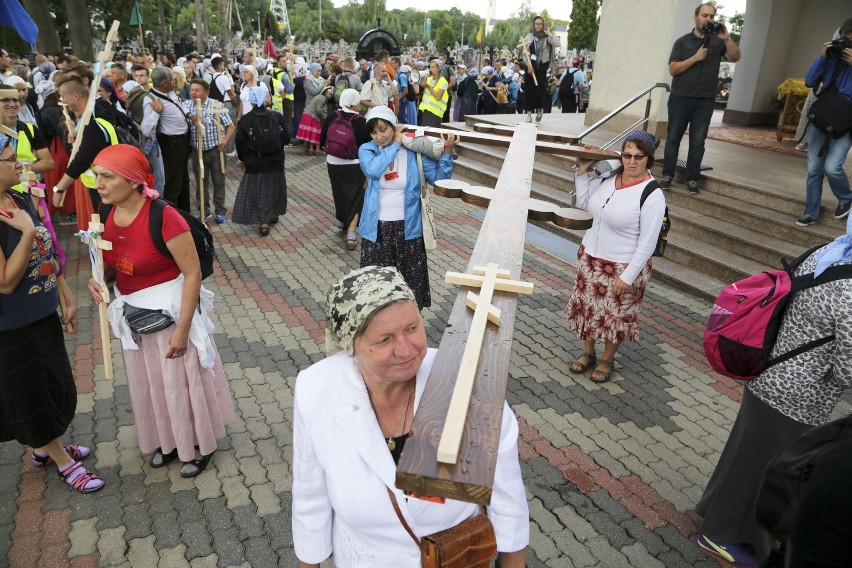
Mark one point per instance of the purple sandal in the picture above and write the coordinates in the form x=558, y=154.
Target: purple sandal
x=84, y=481
x=76, y=452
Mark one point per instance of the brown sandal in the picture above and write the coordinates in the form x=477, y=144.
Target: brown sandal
x=578, y=366
x=603, y=376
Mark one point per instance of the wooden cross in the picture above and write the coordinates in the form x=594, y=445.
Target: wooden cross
x=525, y=46
x=97, y=246
x=545, y=142
x=488, y=279
x=103, y=57
x=8, y=131
x=470, y=475
x=29, y=179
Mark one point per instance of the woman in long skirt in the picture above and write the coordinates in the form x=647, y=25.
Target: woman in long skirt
x=344, y=169
x=262, y=195
x=38, y=397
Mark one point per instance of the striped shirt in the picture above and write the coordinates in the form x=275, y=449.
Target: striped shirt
x=210, y=120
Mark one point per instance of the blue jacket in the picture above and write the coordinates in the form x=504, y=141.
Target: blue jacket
x=822, y=70
x=374, y=162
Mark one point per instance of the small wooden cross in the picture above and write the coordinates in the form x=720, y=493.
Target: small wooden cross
x=97, y=246
x=525, y=46
x=488, y=279
x=220, y=130
x=29, y=179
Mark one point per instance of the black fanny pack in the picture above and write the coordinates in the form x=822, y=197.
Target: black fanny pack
x=144, y=321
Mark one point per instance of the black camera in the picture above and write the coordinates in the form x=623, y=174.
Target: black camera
x=837, y=46
x=713, y=28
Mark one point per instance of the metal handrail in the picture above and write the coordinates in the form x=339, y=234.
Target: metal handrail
x=642, y=121
x=630, y=101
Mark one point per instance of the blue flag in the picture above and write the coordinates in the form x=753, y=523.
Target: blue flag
x=12, y=14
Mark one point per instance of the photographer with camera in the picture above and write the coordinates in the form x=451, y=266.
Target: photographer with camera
x=831, y=119
x=694, y=67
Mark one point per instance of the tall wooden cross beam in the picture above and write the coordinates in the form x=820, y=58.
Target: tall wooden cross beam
x=103, y=57
x=427, y=468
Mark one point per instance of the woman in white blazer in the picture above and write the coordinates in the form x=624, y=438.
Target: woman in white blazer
x=353, y=412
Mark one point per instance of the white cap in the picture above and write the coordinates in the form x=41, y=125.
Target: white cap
x=382, y=112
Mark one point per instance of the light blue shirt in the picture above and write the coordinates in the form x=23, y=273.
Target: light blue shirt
x=374, y=163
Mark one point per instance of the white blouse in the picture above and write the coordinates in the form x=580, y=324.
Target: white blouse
x=620, y=231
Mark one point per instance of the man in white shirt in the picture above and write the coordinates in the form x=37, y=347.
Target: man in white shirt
x=166, y=118
x=376, y=91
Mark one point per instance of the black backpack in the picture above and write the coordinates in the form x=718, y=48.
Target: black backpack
x=201, y=235
x=566, y=87
x=215, y=92
x=663, y=239
x=786, y=476
x=264, y=135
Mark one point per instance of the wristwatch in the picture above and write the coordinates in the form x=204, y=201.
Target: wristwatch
x=57, y=190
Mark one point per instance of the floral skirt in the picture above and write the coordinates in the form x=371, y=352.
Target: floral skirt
x=594, y=311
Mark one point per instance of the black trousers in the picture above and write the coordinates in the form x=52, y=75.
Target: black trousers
x=175, y=151
x=569, y=103
x=534, y=94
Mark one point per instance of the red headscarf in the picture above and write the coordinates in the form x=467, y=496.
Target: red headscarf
x=130, y=163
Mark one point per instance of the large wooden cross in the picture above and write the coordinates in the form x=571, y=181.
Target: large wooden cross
x=97, y=245
x=217, y=113
x=427, y=466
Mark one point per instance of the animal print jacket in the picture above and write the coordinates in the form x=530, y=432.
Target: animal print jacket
x=806, y=388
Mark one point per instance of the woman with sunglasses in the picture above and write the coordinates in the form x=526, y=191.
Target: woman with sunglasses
x=38, y=397
x=614, y=261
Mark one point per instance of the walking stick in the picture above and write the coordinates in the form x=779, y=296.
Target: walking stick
x=199, y=126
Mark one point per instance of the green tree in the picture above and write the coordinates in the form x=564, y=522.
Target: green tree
x=583, y=29
x=445, y=37
x=736, y=26
x=333, y=31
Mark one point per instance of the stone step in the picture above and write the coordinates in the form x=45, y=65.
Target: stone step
x=765, y=197
x=559, y=162
x=723, y=234
x=767, y=222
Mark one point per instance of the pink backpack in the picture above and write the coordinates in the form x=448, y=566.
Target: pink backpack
x=743, y=325
x=340, y=139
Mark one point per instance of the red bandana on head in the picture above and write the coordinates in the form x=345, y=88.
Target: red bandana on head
x=130, y=163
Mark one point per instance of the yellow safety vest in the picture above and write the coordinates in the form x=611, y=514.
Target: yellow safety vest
x=25, y=149
x=430, y=103
x=277, y=101
x=89, y=178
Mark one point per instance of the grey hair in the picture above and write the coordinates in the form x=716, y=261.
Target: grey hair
x=160, y=74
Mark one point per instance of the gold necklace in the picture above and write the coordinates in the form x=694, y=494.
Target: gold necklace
x=390, y=441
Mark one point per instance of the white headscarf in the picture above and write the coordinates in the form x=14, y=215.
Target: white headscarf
x=349, y=100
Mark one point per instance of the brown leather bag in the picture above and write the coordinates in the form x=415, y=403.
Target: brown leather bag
x=469, y=544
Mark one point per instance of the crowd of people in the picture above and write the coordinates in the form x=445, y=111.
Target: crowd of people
x=152, y=122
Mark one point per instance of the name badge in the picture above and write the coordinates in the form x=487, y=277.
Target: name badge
x=391, y=175
x=124, y=266
x=427, y=498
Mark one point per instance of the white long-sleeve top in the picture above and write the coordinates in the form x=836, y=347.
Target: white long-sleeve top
x=620, y=231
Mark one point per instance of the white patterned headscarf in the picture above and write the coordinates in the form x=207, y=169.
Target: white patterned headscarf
x=354, y=298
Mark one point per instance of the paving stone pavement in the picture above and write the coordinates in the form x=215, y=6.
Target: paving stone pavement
x=612, y=471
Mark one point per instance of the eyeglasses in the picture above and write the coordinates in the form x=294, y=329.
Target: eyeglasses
x=7, y=101
x=9, y=160
x=638, y=157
